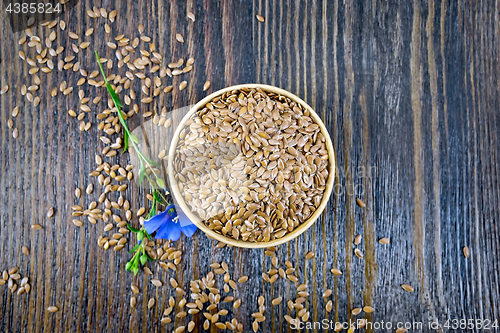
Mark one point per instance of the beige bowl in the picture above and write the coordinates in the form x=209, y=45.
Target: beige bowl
x=231, y=241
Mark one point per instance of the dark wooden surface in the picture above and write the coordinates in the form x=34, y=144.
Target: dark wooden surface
x=408, y=90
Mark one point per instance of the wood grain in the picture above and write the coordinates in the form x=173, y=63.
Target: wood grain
x=409, y=92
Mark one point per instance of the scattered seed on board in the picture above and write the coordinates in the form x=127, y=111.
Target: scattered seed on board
x=357, y=240
x=25, y=251
x=183, y=85
x=309, y=255
x=407, y=287
x=179, y=38
x=368, y=309
x=112, y=15
x=4, y=89
x=15, y=133
x=336, y=271
x=78, y=192
x=151, y=303
x=36, y=226
x=53, y=309
x=50, y=212
x=329, y=306
x=401, y=330
x=168, y=123
x=356, y=311
x=133, y=301
x=384, y=241
x=360, y=202
x=466, y=251
x=260, y=18
x=358, y=253
x=191, y=16
x=206, y=86
x=141, y=211
x=276, y=301
x=156, y=282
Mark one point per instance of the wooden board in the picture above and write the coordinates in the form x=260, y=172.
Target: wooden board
x=409, y=92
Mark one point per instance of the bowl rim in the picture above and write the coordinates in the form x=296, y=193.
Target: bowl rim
x=179, y=200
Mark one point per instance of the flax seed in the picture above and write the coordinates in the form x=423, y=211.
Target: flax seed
x=356, y=311
x=407, y=287
x=384, y=241
x=368, y=309
x=466, y=251
x=151, y=303
x=329, y=306
x=156, y=282
x=327, y=293
x=206, y=86
x=357, y=240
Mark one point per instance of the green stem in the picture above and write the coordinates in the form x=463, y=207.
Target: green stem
x=142, y=159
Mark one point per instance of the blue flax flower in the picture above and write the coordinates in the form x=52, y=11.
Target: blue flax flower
x=170, y=224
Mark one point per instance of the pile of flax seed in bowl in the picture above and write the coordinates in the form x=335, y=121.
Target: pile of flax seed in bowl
x=252, y=164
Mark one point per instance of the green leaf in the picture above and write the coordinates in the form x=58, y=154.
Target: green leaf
x=135, y=248
x=100, y=66
x=125, y=141
x=144, y=259
x=152, y=212
x=160, y=183
x=142, y=172
x=132, y=228
x=115, y=97
x=134, y=138
x=150, y=161
x=156, y=195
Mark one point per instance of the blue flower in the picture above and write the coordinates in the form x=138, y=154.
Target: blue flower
x=170, y=224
